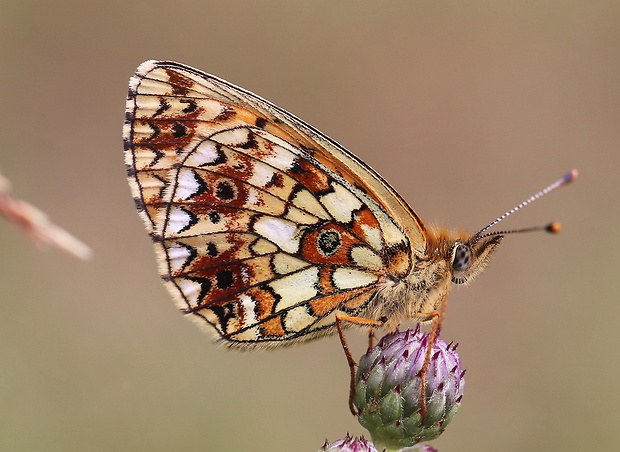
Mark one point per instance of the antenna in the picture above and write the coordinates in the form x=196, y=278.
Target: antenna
x=551, y=227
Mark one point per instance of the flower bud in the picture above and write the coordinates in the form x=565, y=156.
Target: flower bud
x=349, y=444
x=388, y=389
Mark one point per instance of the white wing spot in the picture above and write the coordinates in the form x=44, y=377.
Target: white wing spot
x=390, y=231
x=373, y=236
x=261, y=175
x=281, y=158
x=284, y=263
x=263, y=246
x=190, y=290
x=300, y=217
x=348, y=278
x=177, y=255
x=248, y=305
x=283, y=233
x=232, y=137
x=296, y=288
x=187, y=184
x=297, y=319
x=365, y=257
x=205, y=153
x=179, y=219
x=306, y=201
x=341, y=203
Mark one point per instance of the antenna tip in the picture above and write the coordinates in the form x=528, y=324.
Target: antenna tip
x=553, y=228
x=570, y=176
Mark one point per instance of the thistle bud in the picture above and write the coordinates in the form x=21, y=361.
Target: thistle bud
x=388, y=389
x=352, y=444
x=349, y=444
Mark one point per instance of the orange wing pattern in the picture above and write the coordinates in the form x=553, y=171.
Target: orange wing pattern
x=264, y=228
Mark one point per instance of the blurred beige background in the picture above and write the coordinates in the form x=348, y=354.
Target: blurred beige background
x=466, y=108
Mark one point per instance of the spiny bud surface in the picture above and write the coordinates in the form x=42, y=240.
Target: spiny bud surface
x=388, y=386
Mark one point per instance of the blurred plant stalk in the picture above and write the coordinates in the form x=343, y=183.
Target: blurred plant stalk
x=36, y=225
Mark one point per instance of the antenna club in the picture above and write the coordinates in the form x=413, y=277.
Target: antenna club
x=553, y=228
x=570, y=176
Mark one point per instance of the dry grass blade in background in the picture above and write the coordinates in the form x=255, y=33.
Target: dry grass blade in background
x=37, y=226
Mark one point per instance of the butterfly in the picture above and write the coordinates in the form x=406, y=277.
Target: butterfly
x=269, y=232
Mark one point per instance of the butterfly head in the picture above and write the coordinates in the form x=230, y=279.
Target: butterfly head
x=460, y=256
x=469, y=258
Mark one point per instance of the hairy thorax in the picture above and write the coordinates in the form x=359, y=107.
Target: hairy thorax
x=415, y=294
x=412, y=298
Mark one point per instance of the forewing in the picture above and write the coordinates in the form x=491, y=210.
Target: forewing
x=264, y=228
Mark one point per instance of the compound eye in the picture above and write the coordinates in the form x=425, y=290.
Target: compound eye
x=462, y=258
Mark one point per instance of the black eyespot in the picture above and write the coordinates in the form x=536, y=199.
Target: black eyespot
x=225, y=191
x=462, y=258
x=179, y=131
x=225, y=279
x=215, y=217
x=328, y=242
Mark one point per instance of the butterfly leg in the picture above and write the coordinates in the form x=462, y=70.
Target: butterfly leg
x=425, y=317
x=437, y=318
x=352, y=364
x=371, y=339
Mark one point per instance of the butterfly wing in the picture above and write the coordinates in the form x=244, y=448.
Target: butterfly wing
x=264, y=228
